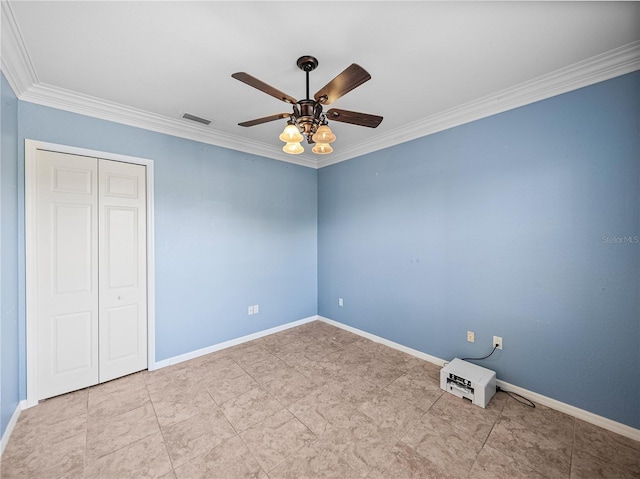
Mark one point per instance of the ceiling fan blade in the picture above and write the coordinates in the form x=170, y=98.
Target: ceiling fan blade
x=265, y=119
x=353, y=76
x=354, y=117
x=262, y=86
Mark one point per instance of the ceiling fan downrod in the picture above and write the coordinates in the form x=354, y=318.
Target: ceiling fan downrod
x=308, y=114
x=307, y=64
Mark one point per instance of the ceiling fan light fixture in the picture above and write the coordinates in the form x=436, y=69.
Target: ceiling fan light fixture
x=291, y=134
x=324, y=135
x=293, y=148
x=307, y=119
x=322, y=149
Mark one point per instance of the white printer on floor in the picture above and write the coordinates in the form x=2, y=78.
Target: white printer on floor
x=467, y=380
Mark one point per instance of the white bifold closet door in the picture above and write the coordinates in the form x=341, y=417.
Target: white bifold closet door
x=91, y=267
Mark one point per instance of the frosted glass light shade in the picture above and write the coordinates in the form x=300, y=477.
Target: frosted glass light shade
x=322, y=149
x=293, y=148
x=291, y=134
x=324, y=135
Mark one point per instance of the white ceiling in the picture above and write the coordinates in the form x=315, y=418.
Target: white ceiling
x=433, y=64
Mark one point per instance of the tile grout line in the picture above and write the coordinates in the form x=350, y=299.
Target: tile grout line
x=86, y=439
x=164, y=439
x=250, y=451
x=573, y=447
x=486, y=439
x=239, y=433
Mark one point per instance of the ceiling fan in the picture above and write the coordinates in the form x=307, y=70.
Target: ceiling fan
x=307, y=117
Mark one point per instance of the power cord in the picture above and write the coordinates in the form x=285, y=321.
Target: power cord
x=478, y=359
x=522, y=399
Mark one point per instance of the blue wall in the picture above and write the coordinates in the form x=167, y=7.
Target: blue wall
x=231, y=230
x=9, y=384
x=507, y=226
x=498, y=226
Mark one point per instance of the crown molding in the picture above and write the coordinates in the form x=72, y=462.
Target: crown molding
x=605, y=66
x=16, y=64
x=22, y=77
x=51, y=96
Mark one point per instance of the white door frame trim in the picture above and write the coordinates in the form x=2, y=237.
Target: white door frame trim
x=31, y=148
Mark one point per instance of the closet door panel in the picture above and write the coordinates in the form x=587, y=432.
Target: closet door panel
x=73, y=251
x=121, y=241
x=72, y=337
x=123, y=298
x=123, y=341
x=67, y=257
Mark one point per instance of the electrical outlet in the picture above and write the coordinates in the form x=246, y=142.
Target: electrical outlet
x=256, y=309
x=471, y=337
x=340, y=302
x=250, y=310
x=497, y=340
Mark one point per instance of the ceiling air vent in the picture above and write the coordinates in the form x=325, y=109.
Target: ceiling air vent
x=191, y=117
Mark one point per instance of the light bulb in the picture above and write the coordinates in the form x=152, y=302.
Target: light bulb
x=322, y=149
x=293, y=148
x=324, y=135
x=291, y=134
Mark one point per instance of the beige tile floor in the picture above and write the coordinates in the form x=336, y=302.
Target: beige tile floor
x=310, y=402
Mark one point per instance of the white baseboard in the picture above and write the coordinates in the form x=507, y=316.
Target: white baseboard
x=12, y=423
x=227, y=344
x=386, y=342
x=578, y=413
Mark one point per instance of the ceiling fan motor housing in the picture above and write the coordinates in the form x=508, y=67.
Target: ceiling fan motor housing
x=307, y=117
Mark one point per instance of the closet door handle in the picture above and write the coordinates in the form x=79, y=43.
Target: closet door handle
x=120, y=298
